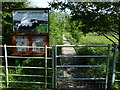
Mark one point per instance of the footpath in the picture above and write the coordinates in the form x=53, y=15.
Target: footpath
x=69, y=72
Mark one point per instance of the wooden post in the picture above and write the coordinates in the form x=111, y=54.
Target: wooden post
x=46, y=67
x=6, y=65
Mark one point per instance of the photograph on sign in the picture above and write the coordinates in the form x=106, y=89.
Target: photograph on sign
x=22, y=41
x=40, y=42
x=30, y=21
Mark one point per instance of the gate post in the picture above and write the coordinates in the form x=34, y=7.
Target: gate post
x=46, y=67
x=114, y=64
x=107, y=68
x=6, y=64
x=53, y=67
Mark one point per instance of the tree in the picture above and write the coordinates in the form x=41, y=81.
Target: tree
x=101, y=17
x=7, y=18
x=56, y=28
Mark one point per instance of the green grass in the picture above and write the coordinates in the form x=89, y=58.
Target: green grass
x=99, y=40
x=90, y=40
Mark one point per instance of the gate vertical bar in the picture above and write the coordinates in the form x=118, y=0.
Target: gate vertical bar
x=46, y=67
x=107, y=67
x=114, y=64
x=1, y=64
x=6, y=65
x=53, y=67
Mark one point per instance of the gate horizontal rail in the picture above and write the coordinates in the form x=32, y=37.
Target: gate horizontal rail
x=82, y=45
x=25, y=46
x=28, y=57
x=65, y=66
x=26, y=67
x=81, y=79
x=78, y=56
x=26, y=75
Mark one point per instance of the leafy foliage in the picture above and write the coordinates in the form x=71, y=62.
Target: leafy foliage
x=7, y=18
x=100, y=17
x=92, y=14
x=56, y=28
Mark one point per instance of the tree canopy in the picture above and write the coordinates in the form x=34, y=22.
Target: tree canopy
x=7, y=18
x=101, y=17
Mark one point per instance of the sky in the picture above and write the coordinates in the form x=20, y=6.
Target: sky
x=44, y=4
x=40, y=3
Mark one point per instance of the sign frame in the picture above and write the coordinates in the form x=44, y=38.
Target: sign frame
x=43, y=21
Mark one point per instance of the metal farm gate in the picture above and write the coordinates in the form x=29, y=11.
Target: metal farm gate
x=21, y=72
x=71, y=72
x=58, y=70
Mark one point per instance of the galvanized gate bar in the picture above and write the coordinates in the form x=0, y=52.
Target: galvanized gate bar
x=28, y=67
x=108, y=60
x=114, y=64
x=81, y=79
x=6, y=65
x=55, y=61
x=46, y=67
x=26, y=82
x=25, y=57
x=65, y=66
x=82, y=45
x=28, y=75
x=53, y=67
x=83, y=56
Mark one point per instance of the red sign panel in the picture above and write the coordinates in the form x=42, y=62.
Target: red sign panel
x=37, y=40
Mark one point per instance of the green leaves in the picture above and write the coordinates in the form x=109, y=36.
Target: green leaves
x=102, y=17
x=100, y=14
x=56, y=28
x=7, y=18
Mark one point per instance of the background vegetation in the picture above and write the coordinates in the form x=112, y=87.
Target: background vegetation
x=84, y=27
x=56, y=32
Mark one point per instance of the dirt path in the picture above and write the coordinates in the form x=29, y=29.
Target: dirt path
x=69, y=72
x=67, y=50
